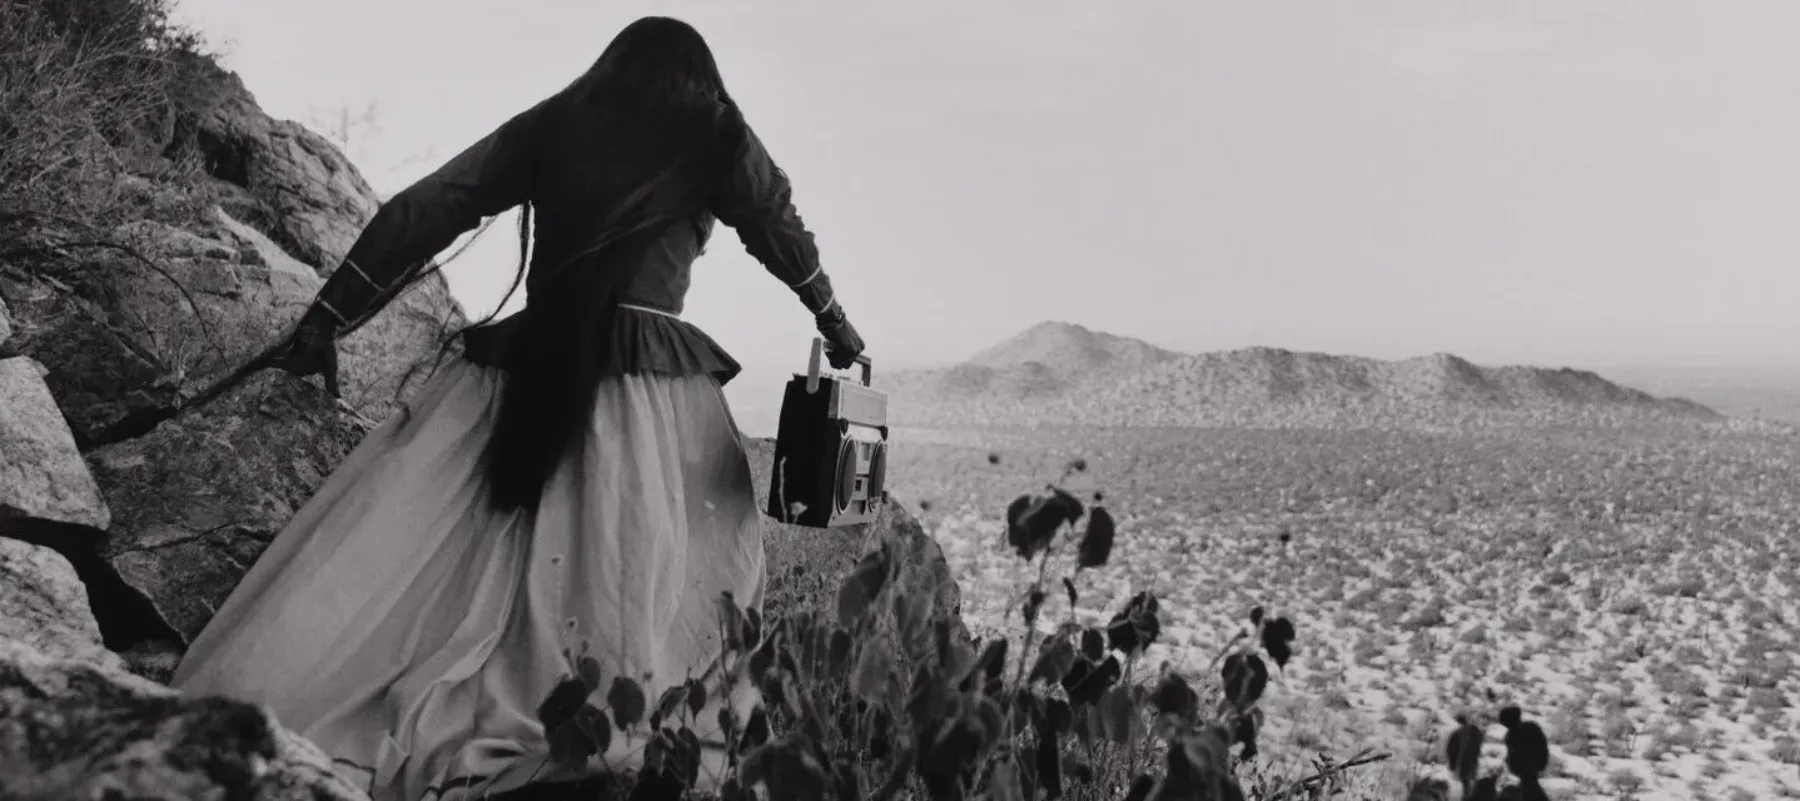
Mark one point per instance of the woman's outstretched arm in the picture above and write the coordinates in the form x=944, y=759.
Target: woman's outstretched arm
x=756, y=200
x=491, y=176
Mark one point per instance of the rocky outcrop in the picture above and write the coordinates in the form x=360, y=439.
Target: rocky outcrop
x=127, y=324
x=127, y=516
x=131, y=321
x=281, y=177
x=74, y=724
x=115, y=497
x=129, y=331
x=198, y=498
x=71, y=728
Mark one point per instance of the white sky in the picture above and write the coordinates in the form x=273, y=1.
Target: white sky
x=1587, y=183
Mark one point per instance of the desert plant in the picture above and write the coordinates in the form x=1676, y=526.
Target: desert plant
x=1463, y=753
x=1527, y=759
x=94, y=92
x=882, y=697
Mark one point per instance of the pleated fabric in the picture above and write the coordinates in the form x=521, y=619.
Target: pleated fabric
x=411, y=632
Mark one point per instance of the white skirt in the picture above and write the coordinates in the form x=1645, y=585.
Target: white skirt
x=411, y=633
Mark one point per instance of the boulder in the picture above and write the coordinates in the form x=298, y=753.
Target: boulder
x=75, y=724
x=132, y=320
x=74, y=728
x=255, y=247
x=5, y=326
x=198, y=498
x=44, y=605
x=289, y=182
x=42, y=475
x=297, y=189
x=129, y=332
x=125, y=331
x=806, y=566
x=53, y=521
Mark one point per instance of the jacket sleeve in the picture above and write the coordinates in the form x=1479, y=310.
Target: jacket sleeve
x=491, y=176
x=756, y=200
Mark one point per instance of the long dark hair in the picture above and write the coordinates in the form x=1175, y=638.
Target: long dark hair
x=632, y=147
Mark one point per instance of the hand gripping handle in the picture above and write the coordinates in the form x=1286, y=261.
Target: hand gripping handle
x=818, y=353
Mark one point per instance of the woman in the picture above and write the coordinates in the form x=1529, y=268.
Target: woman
x=575, y=479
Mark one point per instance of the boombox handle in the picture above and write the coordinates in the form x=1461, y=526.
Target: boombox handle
x=812, y=366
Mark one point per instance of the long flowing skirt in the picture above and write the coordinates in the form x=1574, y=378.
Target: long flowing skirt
x=411, y=632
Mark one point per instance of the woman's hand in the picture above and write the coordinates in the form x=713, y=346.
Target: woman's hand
x=311, y=350
x=842, y=343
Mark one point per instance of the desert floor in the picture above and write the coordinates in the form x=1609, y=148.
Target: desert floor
x=1634, y=591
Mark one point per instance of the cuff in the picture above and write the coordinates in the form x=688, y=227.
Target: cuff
x=816, y=293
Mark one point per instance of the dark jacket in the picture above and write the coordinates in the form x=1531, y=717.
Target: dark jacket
x=500, y=172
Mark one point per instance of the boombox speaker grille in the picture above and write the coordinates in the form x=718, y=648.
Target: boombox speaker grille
x=846, y=475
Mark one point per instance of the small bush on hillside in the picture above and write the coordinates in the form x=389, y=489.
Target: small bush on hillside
x=92, y=96
x=883, y=699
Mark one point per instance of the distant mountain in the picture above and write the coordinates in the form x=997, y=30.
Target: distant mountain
x=1064, y=374
x=1041, y=363
x=1066, y=349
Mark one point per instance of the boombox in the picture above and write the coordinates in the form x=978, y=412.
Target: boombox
x=830, y=450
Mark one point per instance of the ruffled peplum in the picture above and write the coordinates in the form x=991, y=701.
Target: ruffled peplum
x=642, y=341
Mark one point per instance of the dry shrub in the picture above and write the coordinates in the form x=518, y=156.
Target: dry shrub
x=94, y=97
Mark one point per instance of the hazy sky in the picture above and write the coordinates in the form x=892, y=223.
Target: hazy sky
x=1550, y=182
